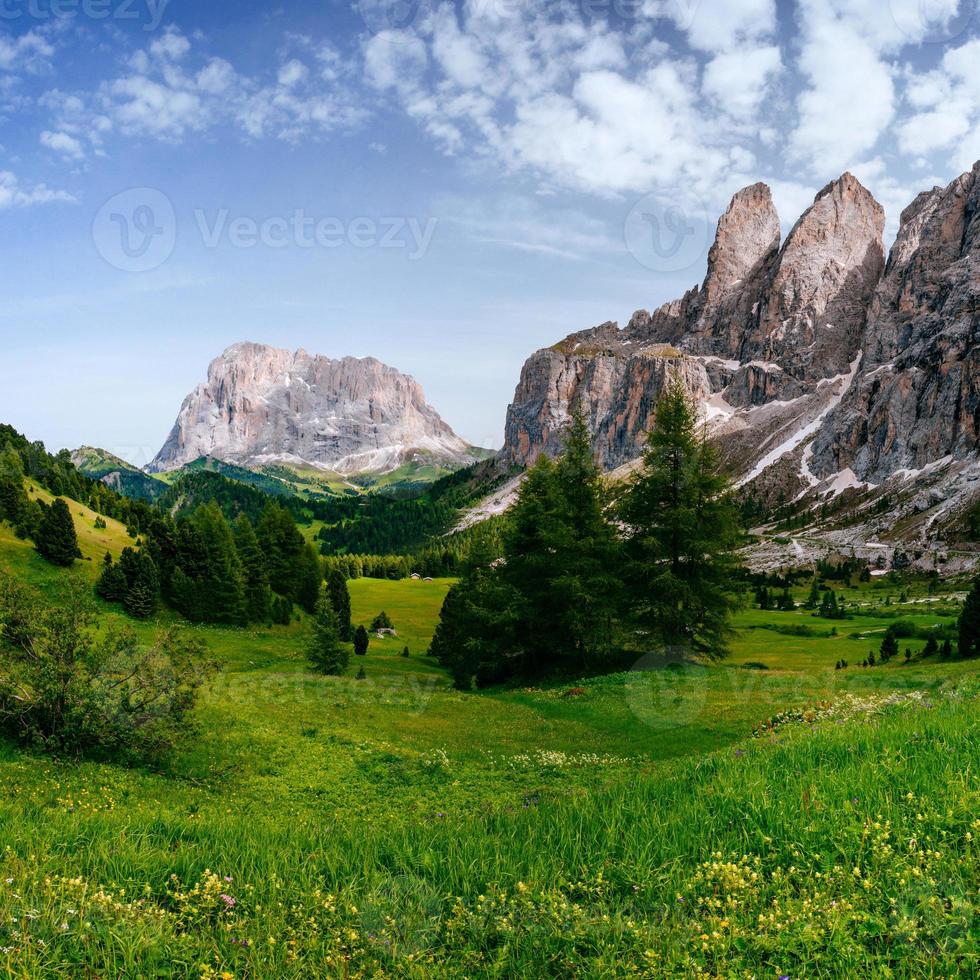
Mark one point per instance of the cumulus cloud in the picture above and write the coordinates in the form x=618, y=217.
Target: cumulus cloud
x=63, y=143
x=14, y=194
x=849, y=99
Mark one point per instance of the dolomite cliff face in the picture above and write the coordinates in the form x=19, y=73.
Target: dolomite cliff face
x=261, y=405
x=766, y=345
x=917, y=398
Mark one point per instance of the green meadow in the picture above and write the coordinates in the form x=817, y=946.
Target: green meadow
x=628, y=825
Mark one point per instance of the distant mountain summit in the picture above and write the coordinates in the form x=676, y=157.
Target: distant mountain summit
x=263, y=406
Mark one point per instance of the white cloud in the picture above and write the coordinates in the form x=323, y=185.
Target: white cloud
x=719, y=25
x=292, y=73
x=63, y=143
x=31, y=51
x=849, y=101
x=948, y=100
x=738, y=80
x=14, y=195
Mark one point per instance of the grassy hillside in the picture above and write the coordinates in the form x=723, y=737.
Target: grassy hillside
x=622, y=826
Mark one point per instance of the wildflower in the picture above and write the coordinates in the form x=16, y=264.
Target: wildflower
x=228, y=900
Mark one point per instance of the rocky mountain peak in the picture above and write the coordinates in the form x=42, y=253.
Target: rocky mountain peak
x=747, y=237
x=264, y=405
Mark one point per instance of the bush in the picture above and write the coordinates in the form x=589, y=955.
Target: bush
x=68, y=687
x=382, y=622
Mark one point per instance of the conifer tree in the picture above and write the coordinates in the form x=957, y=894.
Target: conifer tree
x=681, y=535
x=222, y=584
x=340, y=599
x=143, y=587
x=258, y=595
x=326, y=652
x=969, y=625
x=283, y=546
x=361, y=641
x=56, y=539
x=112, y=582
x=889, y=647
x=309, y=578
x=587, y=551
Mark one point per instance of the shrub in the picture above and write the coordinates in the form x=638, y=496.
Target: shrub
x=382, y=622
x=68, y=687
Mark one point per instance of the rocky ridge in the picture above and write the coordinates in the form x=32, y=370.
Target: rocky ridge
x=821, y=371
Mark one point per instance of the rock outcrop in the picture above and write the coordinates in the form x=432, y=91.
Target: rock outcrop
x=261, y=405
x=767, y=344
x=917, y=397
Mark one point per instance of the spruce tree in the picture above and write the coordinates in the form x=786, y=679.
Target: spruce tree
x=326, y=652
x=56, y=540
x=587, y=551
x=258, y=595
x=361, y=641
x=222, y=584
x=283, y=546
x=889, y=647
x=309, y=579
x=143, y=588
x=112, y=582
x=681, y=536
x=340, y=599
x=969, y=626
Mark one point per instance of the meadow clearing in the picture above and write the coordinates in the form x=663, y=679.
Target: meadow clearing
x=628, y=825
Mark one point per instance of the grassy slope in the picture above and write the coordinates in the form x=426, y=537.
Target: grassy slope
x=396, y=796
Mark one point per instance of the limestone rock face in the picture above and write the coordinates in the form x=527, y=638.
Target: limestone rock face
x=261, y=405
x=766, y=344
x=917, y=397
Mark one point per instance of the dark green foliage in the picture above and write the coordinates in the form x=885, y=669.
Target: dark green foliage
x=889, y=648
x=285, y=550
x=112, y=582
x=134, y=581
x=969, y=625
x=258, y=595
x=946, y=650
x=829, y=607
x=377, y=524
x=361, y=674
x=406, y=653
x=340, y=600
x=56, y=539
x=68, y=687
x=382, y=622
x=282, y=610
x=208, y=584
x=681, y=536
x=361, y=641
x=477, y=629
x=553, y=603
x=326, y=652
x=931, y=648
x=309, y=578
x=142, y=584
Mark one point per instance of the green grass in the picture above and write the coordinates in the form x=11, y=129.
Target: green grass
x=394, y=827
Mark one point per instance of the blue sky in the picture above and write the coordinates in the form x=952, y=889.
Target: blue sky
x=445, y=186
